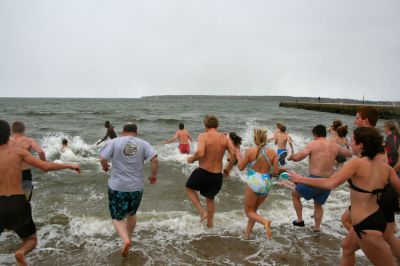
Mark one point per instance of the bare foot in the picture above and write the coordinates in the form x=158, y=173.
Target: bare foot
x=203, y=216
x=246, y=236
x=19, y=256
x=126, y=248
x=267, y=226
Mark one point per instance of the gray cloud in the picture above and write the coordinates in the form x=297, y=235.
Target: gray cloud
x=340, y=49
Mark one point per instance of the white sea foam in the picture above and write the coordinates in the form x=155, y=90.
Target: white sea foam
x=77, y=151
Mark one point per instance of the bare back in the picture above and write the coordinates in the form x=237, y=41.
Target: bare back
x=10, y=170
x=23, y=142
x=322, y=154
x=183, y=136
x=262, y=165
x=281, y=140
x=368, y=175
x=215, y=145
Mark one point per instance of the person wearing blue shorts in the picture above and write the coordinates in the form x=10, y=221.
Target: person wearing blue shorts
x=321, y=153
x=125, y=186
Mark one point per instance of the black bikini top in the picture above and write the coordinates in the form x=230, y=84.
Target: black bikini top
x=373, y=192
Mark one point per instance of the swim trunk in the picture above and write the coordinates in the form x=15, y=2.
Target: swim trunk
x=389, y=203
x=16, y=215
x=121, y=203
x=282, y=153
x=184, y=148
x=209, y=184
x=318, y=194
x=27, y=183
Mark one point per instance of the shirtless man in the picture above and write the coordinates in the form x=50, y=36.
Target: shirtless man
x=183, y=137
x=207, y=178
x=19, y=139
x=322, y=154
x=110, y=133
x=15, y=210
x=281, y=139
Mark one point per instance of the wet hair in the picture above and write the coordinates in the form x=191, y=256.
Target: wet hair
x=336, y=124
x=281, y=127
x=319, y=131
x=4, y=132
x=64, y=141
x=260, y=137
x=235, y=138
x=210, y=121
x=107, y=124
x=371, y=140
x=342, y=131
x=130, y=127
x=18, y=127
x=181, y=126
x=370, y=113
x=391, y=125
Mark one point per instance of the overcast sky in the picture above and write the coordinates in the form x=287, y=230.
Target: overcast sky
x=98, y=48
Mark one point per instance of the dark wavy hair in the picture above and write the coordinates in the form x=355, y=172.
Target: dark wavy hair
x=235, y=138
x=371, y=140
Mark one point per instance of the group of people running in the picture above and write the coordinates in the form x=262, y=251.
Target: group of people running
x=371, y=175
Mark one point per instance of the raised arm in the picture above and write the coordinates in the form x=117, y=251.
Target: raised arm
x=347, y=171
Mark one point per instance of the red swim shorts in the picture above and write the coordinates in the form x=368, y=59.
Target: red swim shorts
x=184, y=148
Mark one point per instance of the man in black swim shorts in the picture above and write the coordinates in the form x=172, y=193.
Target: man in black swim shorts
x=15, y=210
x=207, y=178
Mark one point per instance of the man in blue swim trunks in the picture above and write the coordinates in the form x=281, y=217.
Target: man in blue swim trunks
x=322, y=154
x=126, y=183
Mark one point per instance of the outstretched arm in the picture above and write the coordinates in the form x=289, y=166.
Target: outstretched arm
x=347, y=171
x=47, y=166
x=171, y=139
x=301, y=154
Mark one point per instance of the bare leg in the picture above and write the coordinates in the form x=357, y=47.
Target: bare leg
x=27, y=246
x=349, y=247
x=318, y=213
x=391, y=239
x=375, y=248
x=252, y=202
x=297, y=205
x=346, y=220
x=130, y=224
x=122, y=230
x=249, y=228
x=192, y=194
x=210, y=212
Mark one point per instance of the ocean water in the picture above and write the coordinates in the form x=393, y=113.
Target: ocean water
x=71, y=210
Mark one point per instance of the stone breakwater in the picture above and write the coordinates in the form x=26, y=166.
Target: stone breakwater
x=385, y=111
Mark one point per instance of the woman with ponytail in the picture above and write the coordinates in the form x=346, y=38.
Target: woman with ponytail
x=260, y=161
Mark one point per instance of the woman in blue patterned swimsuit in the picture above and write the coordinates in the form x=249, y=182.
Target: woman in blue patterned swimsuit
x=259, y=161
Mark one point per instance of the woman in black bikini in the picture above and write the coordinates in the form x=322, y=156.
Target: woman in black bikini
x=367, y=177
